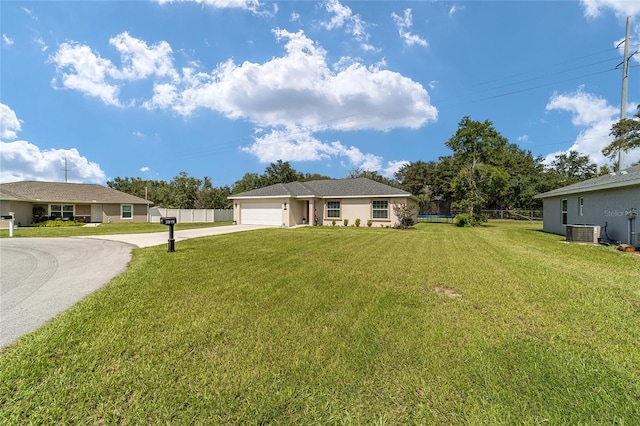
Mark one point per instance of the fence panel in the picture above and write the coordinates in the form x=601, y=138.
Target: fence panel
x=191, y=215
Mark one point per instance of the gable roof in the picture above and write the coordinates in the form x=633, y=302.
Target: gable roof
x=331, y=188
x=621, y=179
x=58, y=192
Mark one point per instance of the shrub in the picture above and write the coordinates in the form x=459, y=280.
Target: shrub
x=404, y=214
x=357, y=223
x=462, y=219
x=57, y=223
x=333, y=223
x=465, y=219
x=346, y=222
x=369, y=223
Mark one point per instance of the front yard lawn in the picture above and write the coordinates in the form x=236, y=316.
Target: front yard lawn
x=501, y=324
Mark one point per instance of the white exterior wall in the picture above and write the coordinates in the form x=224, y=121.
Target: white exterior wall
x=361, y=208
x=599, y=208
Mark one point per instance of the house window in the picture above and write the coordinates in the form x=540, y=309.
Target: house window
x=333, y=209
x=61, y=211
x=565, y=205
x=581, y=206
x=380, y=209
x=126, y=211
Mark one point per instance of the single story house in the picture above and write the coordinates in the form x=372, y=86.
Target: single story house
x=321, y=202
x=612, y=200
x=79, y=201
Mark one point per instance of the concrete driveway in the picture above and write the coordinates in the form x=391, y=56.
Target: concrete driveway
x=42, y=277
x=158, y=238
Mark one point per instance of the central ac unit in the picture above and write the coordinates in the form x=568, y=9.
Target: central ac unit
x=583, y=233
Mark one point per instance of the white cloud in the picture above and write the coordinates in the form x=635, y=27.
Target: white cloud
x=455, y=9
x=22, y=160
x=9, y=123
x=7, y=40
x=300, y=90
x=138, y=134
x=405, y=22
x=523, y=138
x=30, y=13
x=79, y=68
x=301, y=145
x=594, y=116
x=393, y=167
x=344, y=17
x=295, y=17
x=251, y=5
x=141, y=61
x=622, y=8
x=39, y=41
x=144, y=169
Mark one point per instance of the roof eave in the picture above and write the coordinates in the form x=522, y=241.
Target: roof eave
x=559, y=192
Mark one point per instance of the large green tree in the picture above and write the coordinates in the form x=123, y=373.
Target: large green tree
x=280, y=172
x=572, y=167
x=371, y=174
x=480, y=151
x=417, y=177
x=626, y=133
x=184, y=191
x=156, y=191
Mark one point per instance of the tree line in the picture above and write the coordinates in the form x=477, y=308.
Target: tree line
x=484, y=171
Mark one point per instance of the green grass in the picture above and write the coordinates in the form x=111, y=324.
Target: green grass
x=501, y=324
x=102, y=229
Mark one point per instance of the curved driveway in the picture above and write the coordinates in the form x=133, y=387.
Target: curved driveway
x=42, y=277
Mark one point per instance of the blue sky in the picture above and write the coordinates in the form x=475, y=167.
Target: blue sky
x=219, y=88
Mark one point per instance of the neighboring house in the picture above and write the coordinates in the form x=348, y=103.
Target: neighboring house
x=82, y=202
x=321, y=202
x=612, y=200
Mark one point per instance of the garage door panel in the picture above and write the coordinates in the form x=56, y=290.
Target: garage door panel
x=261, y=214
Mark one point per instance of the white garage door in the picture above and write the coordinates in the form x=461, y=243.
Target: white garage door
x=261, y=214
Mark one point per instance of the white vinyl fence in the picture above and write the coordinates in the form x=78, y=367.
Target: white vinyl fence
x=191, y=215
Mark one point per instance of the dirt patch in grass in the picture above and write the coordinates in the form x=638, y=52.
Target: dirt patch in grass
x=447, y=291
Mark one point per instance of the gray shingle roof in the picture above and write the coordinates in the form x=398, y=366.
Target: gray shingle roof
x=58, y=192
x=334, y=188
x=624, y=178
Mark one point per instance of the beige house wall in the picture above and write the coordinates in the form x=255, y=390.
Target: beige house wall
x=83, y=212
x=297, y=212
x=22, y=212
x=111, y=213
x=362, y=208
x=350, y=208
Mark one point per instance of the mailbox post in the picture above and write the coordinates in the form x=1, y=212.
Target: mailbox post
x=11, y=220
x=170, y=221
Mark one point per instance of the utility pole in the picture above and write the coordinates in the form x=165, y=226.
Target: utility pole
x=625, y=83
x=66, y=169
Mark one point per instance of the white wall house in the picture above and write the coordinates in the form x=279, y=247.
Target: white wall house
x=612, y=200
x=321, y=202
